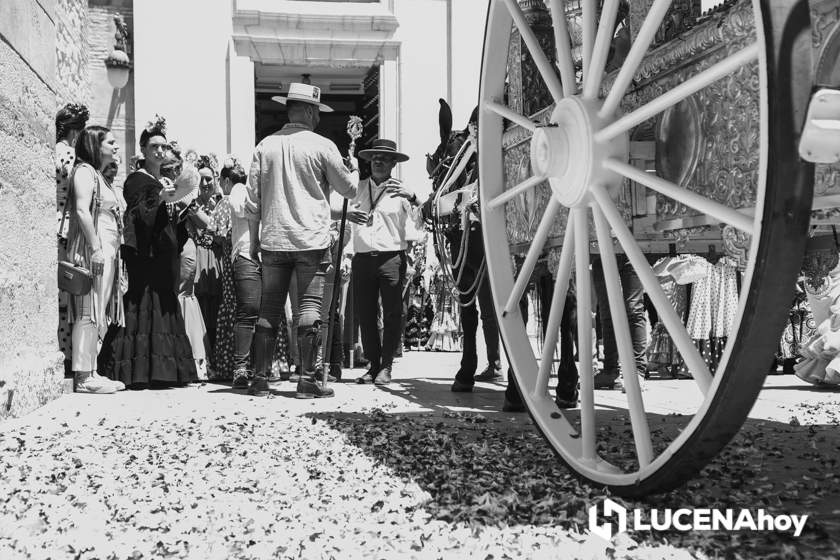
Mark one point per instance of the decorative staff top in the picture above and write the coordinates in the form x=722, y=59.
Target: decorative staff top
x=354, y=131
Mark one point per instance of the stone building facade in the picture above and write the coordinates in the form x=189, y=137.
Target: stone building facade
x=51, y=52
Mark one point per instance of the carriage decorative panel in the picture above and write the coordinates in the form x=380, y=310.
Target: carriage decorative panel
x=825, y=15
x=721, y=160
x=526, y=94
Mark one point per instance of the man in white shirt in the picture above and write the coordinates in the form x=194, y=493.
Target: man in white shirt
x=291, y=176
x=382, y=213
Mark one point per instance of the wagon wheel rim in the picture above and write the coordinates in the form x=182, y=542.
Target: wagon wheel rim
x=582, y=153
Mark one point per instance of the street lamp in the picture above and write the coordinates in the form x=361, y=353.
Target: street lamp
x=118, y=62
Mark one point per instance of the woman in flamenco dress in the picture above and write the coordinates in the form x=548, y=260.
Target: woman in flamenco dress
x=152, y=348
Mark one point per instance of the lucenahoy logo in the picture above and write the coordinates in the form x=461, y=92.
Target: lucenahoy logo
x=695, y=519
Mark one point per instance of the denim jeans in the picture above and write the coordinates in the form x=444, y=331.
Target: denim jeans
x=376, y=276
x=567, y=374
x=633, y=292
x=247, y=281
x=309, y=269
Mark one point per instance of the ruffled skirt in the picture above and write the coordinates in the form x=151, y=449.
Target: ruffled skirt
x=153, y=346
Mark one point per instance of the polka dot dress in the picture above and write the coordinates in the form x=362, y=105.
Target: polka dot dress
x=724, y=298
x=714, y=303
x=281, y=362
x=65, y=158
x=223, y=363
x=699, y=323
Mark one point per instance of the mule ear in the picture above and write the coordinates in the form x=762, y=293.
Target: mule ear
x=445, y=121
x=474, y=116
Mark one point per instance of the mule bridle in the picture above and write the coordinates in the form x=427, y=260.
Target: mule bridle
x=456, y=166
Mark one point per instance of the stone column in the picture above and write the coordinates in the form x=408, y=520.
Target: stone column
x=241, y=110
x=389, y=103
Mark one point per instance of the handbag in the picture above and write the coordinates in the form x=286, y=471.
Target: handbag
x=72, y=278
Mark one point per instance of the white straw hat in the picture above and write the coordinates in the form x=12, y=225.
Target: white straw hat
x=304, y=93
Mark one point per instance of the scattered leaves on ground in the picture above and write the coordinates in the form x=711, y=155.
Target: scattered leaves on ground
x=377, y=484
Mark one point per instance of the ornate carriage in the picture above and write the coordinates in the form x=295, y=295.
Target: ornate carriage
x=650, y=128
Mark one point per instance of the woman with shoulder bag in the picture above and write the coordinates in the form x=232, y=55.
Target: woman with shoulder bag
x=94, y=239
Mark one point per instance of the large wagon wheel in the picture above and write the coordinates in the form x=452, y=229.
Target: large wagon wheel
x=583, y=154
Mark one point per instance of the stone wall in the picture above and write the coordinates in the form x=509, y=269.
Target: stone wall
x=51, y=52
x=31, y=370
x=72, y=67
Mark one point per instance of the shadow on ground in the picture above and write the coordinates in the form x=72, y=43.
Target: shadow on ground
x=492, y=468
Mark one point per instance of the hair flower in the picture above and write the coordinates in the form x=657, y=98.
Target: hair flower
x=158, y=123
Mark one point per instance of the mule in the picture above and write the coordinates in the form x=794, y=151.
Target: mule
x=455, y=219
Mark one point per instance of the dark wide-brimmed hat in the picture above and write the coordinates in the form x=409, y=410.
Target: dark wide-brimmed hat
x=383, y=146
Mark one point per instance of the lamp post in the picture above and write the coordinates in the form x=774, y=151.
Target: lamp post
x=119, y=62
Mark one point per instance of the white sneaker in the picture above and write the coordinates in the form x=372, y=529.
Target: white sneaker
x=118, y=385
x=87, y=383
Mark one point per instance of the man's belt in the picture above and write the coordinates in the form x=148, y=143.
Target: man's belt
x=380, y=253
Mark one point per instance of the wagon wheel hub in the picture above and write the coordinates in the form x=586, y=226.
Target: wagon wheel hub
x=565, y=151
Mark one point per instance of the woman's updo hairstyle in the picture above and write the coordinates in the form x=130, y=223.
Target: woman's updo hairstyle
x=208, y=161
x=156, y=127
x=233, y=170
x=73, y=116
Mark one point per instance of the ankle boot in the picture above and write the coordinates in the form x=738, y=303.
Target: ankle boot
x=309, y=340
x=310, y=385
x=264, y=344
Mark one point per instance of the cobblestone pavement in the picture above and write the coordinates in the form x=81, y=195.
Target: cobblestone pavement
x=409, y=471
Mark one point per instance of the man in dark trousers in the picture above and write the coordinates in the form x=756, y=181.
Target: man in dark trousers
x=291, y=175
x=381, y=215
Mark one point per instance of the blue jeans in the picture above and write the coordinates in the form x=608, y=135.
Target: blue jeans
x=633, y=292
x=309, y=268
x=247, y=281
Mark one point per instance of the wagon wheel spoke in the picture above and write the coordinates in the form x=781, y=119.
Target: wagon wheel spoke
x=543, y=65
x=584, y=314
x=588, y=32
x=533, y=254
x=647, y=32
x=558, y=303
x=696, y=365
x=721, y=212
x=672, y=97
x=618, y=312
x=515, y=191
x=511, y=115
x=562, y=42
x=593, y=72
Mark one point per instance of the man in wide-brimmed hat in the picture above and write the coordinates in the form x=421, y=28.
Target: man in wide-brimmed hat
x=292, y=173
x=381, y=213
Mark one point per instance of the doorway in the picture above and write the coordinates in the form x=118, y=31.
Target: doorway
x=271, y=116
